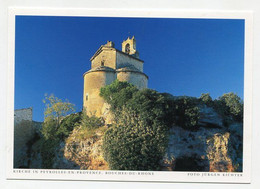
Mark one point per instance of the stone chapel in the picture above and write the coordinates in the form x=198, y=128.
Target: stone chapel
x=107, y=65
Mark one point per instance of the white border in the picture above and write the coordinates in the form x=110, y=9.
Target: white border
x=160, y=176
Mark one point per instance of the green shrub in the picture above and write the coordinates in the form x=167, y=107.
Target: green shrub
x=49, y=128
x=186, y=112
x=53, y=136
x=206, y=99
x=117, y=94
x=152, y=107
x=138, y=138
x=230, y=106
x=68, y=124
x=48, y=148
x=134, y=145
x=91, y=122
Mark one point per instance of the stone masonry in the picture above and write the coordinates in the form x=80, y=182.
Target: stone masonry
x=107, y=65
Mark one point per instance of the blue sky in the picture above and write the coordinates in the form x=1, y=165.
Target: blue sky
x=181, y=56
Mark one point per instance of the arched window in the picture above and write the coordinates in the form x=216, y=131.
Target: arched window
x=86, y=96
x=127, y=48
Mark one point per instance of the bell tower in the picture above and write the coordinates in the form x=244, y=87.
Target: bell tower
x=129, y=47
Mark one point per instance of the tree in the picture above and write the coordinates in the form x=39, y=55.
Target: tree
x=55, y=111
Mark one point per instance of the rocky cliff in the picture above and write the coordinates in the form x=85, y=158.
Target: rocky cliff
x=212, y=147
x=86, y=151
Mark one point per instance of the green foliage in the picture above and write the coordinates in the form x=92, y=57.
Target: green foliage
x=183, y=111
x=68, y=124
x=48, y=149
x=55, y=110
x=186, y=112
x=91, y=122
x=56, y=126
x=87, y=127
x=152, y=107
x=230, y=106
x=134, y=145
x=117, y=94
x=138, y=138
x=206, y=99
x=49, y=128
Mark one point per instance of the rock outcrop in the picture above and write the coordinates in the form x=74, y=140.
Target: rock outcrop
x=86, y=150
x=217, y=153
x=212, y=147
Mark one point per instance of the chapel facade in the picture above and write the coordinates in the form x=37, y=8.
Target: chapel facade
x=107, y=65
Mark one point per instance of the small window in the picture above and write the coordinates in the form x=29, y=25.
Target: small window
x=86, y=96
x=102, y=63
x=127, y=48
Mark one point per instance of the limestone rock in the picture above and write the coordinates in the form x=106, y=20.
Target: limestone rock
x=60, y=161
x=209, y=117
x=217, y=153
x=212, y=147
x=86, y=152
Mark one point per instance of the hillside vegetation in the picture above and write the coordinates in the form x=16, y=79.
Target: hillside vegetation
x=149, y=131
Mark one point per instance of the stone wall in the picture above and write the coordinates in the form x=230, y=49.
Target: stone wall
x=23, y=132
x=108, y=55
x=22, y=114
x=93, y=81
x=124, y=60
x=108, y=64
x=135, y=78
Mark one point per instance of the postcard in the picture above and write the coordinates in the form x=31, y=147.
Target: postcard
x=105, y=95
